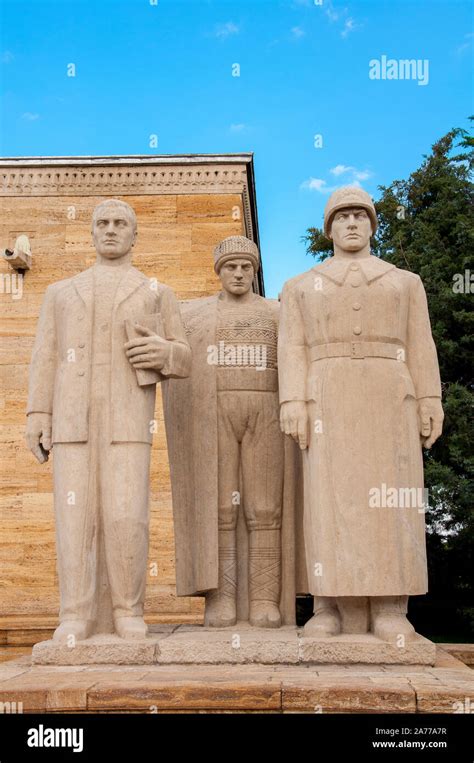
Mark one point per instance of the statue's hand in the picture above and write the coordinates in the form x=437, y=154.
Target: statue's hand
x=149, y=351
x=430, y=417
x=38, y=435
x=294, y=421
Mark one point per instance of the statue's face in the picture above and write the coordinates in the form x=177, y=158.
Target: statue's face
x=113, y=232
x=351, y=229
x=237, y=276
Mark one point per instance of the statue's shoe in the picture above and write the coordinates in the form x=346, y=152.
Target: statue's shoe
x=70, y=631
x=324, y=623
x=264, y=614
x=394, y=628
x=220, y=611
x=131, y=627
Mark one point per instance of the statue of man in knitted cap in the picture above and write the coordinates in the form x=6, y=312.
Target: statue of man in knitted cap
x=227, y=454
x=360, y=392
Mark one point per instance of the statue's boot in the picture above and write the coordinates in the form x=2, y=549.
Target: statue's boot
x=72, y=630
x=264, y=578
x=221, y=608
x=131, y=627
x=326, y=620
x=354, y=612
x=389, y=620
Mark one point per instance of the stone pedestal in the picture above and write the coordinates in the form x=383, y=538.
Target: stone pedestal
x=240, y=644
x=448, y=687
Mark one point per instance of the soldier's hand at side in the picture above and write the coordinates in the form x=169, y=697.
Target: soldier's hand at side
x=149, y=351
x=294, y=421
x=430, y=416
x=38, y=435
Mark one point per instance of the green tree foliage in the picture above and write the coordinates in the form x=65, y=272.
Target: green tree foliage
x=426, y=226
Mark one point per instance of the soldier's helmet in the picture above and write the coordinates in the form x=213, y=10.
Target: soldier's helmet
x=349, y=196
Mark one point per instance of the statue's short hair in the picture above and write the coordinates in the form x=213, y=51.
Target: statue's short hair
x=116, y=203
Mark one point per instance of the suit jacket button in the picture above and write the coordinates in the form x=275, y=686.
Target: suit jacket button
x=82, y=345
x=357, y=330
x=81, y=372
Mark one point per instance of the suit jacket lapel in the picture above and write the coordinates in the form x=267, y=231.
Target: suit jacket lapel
x=131, y=280
x=84, y=285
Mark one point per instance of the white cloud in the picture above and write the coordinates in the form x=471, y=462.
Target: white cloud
x=321, y=186
x=357, y=175
x=349, y=26
x=340, y=169
x=29, y=116
x=238, y=127
x=363, y=175
x=354, y=179
x=465, y=45
x=223, y=31
x=297, y=32
x=316, y=184
x=331, y=13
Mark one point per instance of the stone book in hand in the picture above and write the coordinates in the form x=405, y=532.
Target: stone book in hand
x=154, y=322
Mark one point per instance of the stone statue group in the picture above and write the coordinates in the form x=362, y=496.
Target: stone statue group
x=288, y=425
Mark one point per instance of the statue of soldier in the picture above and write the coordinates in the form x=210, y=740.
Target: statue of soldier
x=360, y=391
x=105, y=338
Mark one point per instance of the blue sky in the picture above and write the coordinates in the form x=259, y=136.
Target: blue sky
x=166, y=69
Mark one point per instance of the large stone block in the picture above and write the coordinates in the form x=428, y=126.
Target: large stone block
x=239, y=644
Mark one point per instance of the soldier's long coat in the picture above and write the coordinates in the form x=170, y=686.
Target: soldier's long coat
x=364, y=430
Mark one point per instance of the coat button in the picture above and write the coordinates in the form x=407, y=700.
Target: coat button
x=80, y=317
x=355, y=306
x=81, y=373
x=82, y=345
x=357, y=330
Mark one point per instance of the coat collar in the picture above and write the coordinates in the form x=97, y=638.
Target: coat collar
x=131, y=280
x=336, y=269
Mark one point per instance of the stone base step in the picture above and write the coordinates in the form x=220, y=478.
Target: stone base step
x=448, y=687
x=239, y=644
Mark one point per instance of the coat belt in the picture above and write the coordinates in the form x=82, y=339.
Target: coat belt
x=357, y=350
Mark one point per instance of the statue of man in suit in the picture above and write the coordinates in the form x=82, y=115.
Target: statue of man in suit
x=105, y=338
